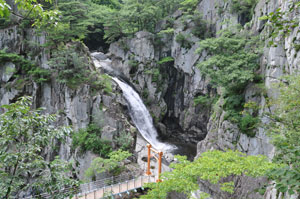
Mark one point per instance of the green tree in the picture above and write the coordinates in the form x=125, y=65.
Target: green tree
x=213, y=167
x=25, y=135
x=89, y=139
x=109, y=3
x=136, y=15
x=113, y=164
x=285, y=131
x=232, y=59
x=31, y=9
x=231, y=63
x=281, y=23
x=244, y=8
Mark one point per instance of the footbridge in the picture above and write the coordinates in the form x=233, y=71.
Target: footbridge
x=115, y=186
x=123, y=184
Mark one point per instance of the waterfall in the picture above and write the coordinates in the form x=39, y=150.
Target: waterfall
x=141, y=116
x=137, y=110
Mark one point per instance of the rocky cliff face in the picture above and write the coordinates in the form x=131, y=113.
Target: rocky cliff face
x=276, y=61
x=76, y=107
x=168, y=87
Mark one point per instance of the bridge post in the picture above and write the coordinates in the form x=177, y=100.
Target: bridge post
x=159, y=166
x=149, y=157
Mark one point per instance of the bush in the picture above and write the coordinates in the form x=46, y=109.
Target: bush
x=114, y=164
x=231, y=64
x=216, y=168
x=201, y=28
x=89, y=139
x=72, y=68
x=244, y=8
x=38, y=74
x=124, y=140
x=165, y=60
x=183, y=41
x=203, y=100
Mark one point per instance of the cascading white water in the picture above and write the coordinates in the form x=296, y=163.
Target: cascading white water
x=137, y=110
x=141, y=116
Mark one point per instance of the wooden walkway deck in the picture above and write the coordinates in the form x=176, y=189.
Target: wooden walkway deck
x=120, y=188
x=113, y=186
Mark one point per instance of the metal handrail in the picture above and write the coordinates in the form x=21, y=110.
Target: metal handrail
x=100, y=184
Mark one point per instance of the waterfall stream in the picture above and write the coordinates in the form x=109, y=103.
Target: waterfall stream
x=137, y=109
x=141, y=116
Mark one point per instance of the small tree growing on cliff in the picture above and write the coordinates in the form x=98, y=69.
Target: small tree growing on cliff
x=24, y=136
x=212, y=167
x=285, y=131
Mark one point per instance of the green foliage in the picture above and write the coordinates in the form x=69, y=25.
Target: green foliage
x=113, y=164
x=133, y=63
x=165, y=60
x=188, y=6
x=134, y=16
x=74, y=20
x=183, y=41
x=201, y=28
x=124, y=140
x=5, y=22
x=89, y=139
x=109, y=3
x=203, y=100
x=31, y=9
x=213, y=167
x=244, y=8
x=279, y=22
x=168, y=31
x=24, y=136
x=231, y=64
x=248, y=124
x=72, y=68
x=4, y=9
x=38, y=74
x=102, y=81
x=233, y=59
x=284, y=129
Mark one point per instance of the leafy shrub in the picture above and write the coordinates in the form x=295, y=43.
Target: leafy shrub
x=183, y=41
x=89, y=139
x=203, y=100
x=234, y=58
x=280, y=23
x=38, y=74
x=284, y=130
x=168, y=31
x=231, y=64
x=72, y=67
x=124, y=140
x=165, y=60
x=248, y=123
x=155, y=75
x=112, y=164
x=201, y=28
x=133, y=64
x=244, y=8
x=100, y=82
x=212, y=167
x=188, y=6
